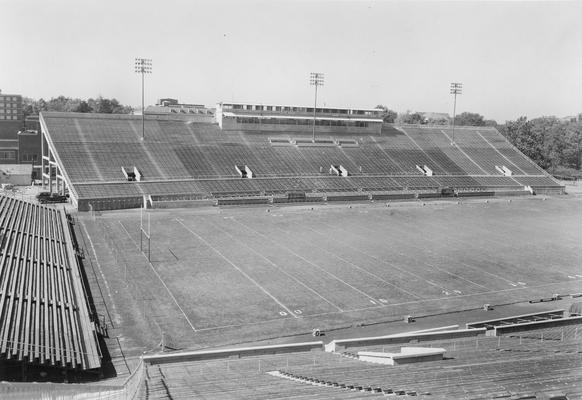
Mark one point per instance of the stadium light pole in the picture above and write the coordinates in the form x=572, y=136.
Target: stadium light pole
x=456, y=88
x=315, y=79
x=143, y=66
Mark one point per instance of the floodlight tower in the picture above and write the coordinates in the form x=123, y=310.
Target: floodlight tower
x=143, y=66
x=456, y=88
x=315, y=79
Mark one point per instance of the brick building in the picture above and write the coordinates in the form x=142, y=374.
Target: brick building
x=11, y=122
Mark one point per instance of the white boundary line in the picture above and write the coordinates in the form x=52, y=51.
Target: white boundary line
x=116, y=314
x=237, y=268
x=448, y=298
x=160, y=278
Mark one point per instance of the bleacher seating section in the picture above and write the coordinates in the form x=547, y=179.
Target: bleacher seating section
x=44, y=317
x=473, y=368
x=178, y=157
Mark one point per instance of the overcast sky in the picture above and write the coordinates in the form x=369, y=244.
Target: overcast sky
x=513, y=58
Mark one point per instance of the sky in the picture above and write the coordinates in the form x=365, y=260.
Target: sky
x=514, y=58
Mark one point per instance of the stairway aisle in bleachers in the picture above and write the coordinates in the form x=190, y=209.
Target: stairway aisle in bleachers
x=440, y=140
x=439, y=162
x=505, y=148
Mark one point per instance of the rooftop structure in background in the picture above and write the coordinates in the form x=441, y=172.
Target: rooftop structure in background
x=436, y=118
x=288, y=118
x=175, y=103
x=15, y=174
x=171, y=109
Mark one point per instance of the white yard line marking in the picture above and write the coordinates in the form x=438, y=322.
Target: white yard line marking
x=384, y=262
x=161, y=280
x=379, y=307
x=238, y=269
x=358, y=267
x=422, y=262
x=442, y=298
x=280, y=269
x=309, y=262
x=480, y=270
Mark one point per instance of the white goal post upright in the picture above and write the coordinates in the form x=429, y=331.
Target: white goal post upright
x=147, y=234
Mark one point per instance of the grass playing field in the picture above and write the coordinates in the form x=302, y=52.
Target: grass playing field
x=225, y=275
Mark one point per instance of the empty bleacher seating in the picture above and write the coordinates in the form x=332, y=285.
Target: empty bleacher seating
x=93, y=148
x=474, y=368
x=44, y=317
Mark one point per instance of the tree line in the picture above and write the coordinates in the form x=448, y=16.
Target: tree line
x=553, y=144
x=420, y=118
x=68, y=104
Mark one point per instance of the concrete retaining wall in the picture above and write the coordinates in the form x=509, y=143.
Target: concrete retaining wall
x=104, y=204
x=545, y=314
x=236, y=352
x=340, y=345
x=528, y=326
x=183, y=203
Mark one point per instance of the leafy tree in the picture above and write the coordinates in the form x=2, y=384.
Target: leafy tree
x=108, y=106
x=573, y=151
x=41, y=106
x=68, y=104
x=549, y=142
x=387, y=114
x=469, y=119
x=83, y=107
x=413, y=118
x=104, y=106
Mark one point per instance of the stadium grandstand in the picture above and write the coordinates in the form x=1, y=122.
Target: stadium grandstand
x=45, y=318
x=266, y=154
x=299, y=302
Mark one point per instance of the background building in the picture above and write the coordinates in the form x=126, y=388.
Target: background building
x=11, y=121
x=172, y=109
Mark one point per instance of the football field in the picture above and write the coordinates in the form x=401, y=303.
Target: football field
x=222, y=273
